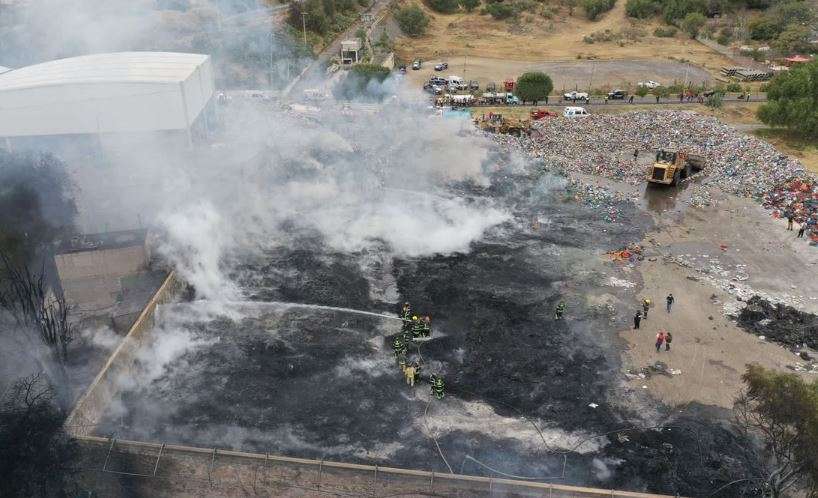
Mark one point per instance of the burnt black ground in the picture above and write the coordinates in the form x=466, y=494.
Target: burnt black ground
x=323, y=384
x=779, y=323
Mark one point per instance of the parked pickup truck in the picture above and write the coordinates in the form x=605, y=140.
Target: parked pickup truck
x=574, y=96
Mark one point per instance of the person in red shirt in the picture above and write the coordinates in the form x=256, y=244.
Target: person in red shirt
x=660, y=339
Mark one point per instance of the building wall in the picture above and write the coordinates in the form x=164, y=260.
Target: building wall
x=106, y=107
x=91, y=279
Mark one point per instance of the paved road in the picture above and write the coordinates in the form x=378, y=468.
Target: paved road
x=315, y=70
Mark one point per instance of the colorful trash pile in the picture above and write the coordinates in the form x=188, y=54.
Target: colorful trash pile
x=604, y=145
x=798, y=197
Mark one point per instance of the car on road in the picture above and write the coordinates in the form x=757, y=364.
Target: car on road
x=571, y=112
x=617, y=95
x=574, y=96
x=442, y=66
x=416, y=64
x=649, y=84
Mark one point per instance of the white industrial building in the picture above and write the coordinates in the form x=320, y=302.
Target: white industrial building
x=122, y=92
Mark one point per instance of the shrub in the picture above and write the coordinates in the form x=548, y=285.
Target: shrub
x=412, y=20
x=673, y=10
x=692, y=23
x=664, y=32
x=594, y=8
x=443, y=6
x=642, y=91
x=794, y=39
x=360, y=82
x=762, y=28
x=316, y=20
x=725, y=35
x=500, y=10
x=642, y=9
x=714, y=101
x=469, y=5
x=733, y=87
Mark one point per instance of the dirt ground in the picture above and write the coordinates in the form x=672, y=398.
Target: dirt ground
x=708, y=348
x=533, y=38
x=567, y=75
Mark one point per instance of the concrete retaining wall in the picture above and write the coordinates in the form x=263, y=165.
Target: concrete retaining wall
x=98, y=396
x=118, y=468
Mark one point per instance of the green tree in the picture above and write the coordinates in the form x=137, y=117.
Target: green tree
x=642, y=91
x=692, y=23
x=715, y=101
x=642, y=9
x=534, y=86
x=314, y=16
x=794, y=39
x=412, y=20
x=595, y=8
x=443, y=6
x=781, y=410
x=364, y=81
x=762, y=28
x=792, y=100
x=469, y=5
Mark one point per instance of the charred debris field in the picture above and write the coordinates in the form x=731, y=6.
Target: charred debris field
x=294, y=368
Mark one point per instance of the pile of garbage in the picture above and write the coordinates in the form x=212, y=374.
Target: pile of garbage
x=799, y=198
x=604, y=145
x=779, y=323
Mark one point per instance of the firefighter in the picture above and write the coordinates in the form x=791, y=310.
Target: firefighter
x=559, y=311
x=406, y=317
x=417, y=328
x=400, y=348
x=437, y=386
x=645, y=308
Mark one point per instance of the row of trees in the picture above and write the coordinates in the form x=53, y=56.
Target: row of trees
x=37, y=209
x=792, y=100
x=323, y=16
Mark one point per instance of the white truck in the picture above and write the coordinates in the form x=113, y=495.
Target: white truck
x=574, y=96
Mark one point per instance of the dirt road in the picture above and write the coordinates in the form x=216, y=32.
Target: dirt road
x=567, y=75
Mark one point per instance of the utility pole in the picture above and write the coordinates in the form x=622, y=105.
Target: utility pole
x=304, y=24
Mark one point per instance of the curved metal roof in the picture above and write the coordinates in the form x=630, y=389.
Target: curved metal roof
x=117, y=67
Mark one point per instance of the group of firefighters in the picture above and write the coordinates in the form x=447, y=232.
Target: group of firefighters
x=414, y=329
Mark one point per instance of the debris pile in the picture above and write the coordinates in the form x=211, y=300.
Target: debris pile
x=780, y=323
x=605, y=145
x=798, y=198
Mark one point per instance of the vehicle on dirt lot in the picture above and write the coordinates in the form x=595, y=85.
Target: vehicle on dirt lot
x=438, y=80
x=416, y=65
x=574, y=96
x=672, y=166
x=491, y=87
x=617, y=95
x=497, y=123
x=570, y=112
x=538, y=114
x=649, y=84
x=474, y=85
x=512, y=99
x=442, y=66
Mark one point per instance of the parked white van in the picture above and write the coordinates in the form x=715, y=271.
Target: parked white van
x=456, y=82
x=571, y=111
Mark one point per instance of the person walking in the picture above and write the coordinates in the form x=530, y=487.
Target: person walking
x=635, y=154
x=645, y=308
x=660, y=338
x=790, y=219
x=801, y=230
x=668, y=340
x=637, y=319
x=669, y=300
